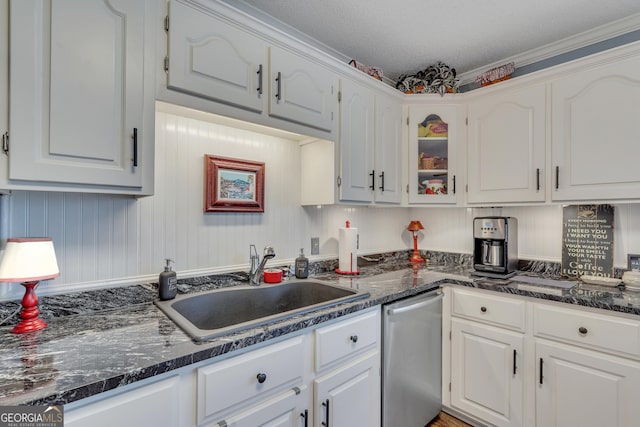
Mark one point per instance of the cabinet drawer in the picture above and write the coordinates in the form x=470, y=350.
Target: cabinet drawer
x=489, y=308
x=347, y=338
x=235, y=382
x=609, y=333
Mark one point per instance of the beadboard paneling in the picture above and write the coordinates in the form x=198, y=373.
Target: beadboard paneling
x=105, y=240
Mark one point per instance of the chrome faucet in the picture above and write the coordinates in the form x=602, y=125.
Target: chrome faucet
x=257, y=267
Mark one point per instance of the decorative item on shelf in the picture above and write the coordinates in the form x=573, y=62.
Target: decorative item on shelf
x=414, y=227
x=497, y=74
x=374, y=72
x=434, y=127
x=438, y=78
x=29, y=260
x=434, y=186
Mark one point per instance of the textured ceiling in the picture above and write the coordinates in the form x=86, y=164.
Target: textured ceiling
x=404, y=36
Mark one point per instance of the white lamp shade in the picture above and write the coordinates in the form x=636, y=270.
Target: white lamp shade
x=28, y=259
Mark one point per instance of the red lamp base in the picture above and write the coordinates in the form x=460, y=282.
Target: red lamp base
x=29, y=315
x=416, y=255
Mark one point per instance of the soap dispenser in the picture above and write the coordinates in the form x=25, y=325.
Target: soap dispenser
x=168, y=282
x=302, y=266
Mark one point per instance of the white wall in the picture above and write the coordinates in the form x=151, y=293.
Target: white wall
x=104, y=240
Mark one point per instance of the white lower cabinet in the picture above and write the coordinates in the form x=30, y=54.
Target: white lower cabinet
x=287, y=410
x=486, y=378
x=578, y=387
x=561, y=367
x=156, y=404
x=350, y=395
x=276, y=385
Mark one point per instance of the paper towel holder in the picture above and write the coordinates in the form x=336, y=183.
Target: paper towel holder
x=351, y=270
x=413, y=227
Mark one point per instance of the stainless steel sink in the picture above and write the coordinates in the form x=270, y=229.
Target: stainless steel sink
x=219, y=312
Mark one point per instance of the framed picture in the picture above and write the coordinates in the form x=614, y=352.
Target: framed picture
x=233, y=185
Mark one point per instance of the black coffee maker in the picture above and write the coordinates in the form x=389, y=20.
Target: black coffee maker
x=495, y=246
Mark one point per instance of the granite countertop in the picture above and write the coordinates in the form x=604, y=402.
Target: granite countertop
x=100, y=340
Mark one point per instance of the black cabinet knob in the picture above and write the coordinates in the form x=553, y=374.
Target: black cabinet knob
x=354, y=338
x=261, y=377
x=483, y=309
x=582, y=330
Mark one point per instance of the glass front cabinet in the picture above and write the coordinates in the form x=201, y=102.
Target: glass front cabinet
x=432, y=154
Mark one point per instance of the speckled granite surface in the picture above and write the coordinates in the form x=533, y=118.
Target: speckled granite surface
x=100, y=340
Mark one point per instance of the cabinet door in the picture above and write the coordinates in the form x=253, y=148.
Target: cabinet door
x=578, y=387
x=158, y=404
x=211, y=58
x=388, y=150
x=507, y=134
x=595, y=133
x=301, y=91
x=432, y=154
x=79, y=109
x=290, y=409
x=356, y=142
x=486, y=372
x=350, y=395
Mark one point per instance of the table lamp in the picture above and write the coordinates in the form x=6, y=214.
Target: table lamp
x=28, y=260
x=415, y=226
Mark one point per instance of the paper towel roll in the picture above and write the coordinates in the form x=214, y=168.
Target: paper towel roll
x=348, y=250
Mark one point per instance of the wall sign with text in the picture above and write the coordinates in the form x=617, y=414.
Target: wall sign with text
x=587, y=240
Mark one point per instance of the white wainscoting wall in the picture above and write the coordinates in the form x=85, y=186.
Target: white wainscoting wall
x=104, y=240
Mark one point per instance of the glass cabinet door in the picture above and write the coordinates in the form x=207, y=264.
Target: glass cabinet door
x=431, y=157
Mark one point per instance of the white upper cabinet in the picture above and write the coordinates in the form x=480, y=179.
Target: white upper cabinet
x=81, y=93
x=595, y=132
x=215, y=59
x=300, y=90
x=220, y=56
x=433, y=146
x=388, y=149
x=356, y=142
x=506, y=151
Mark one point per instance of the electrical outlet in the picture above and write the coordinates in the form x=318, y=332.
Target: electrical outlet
x=315, y=246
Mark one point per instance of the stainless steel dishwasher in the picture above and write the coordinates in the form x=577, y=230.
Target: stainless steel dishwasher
x=412, y=360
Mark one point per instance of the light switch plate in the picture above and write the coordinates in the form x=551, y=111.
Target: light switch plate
x=315, y=246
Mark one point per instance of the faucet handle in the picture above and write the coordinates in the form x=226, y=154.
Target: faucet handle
x=269, y=252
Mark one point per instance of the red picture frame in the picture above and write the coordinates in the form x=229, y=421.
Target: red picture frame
x=233, y=185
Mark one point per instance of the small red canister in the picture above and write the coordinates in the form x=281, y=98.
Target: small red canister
x=272, y=276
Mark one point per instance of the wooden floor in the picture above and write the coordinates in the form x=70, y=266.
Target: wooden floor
x=446, y=420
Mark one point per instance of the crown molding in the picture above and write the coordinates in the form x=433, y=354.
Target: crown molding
x=588, y=38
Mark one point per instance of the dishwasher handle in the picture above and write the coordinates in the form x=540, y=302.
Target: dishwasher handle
x=437, y=297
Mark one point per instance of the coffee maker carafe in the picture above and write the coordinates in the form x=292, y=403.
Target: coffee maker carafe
x=495, y=245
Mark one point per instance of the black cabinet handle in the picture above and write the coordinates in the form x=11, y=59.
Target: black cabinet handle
x=537, y=179
x=382, y=183
x=259, y=73
x=541, y=369
x=515, y=368
x=279, y=81
x=373, y=180
x=483, y=309
x=305, y=415
x=353, y=338
x=582, y=330
x=454, y=184
x=261, y=377
x=135, y=147
x=326, y=413
x=557, y=177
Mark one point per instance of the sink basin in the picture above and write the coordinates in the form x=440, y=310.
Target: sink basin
x=219, y=312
